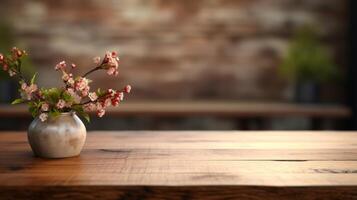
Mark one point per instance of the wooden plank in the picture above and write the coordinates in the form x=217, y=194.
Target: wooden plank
x=214, y=108
x=202, y=165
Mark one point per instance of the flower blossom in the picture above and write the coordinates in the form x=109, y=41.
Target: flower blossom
x=66, y=77
x=70, y=82
x=74, y=95
x=45, y=107
x=81, y=84
x=12, y=72
x=43, y=117
x=111, y=92
x=121, y=96
x=61, y=65
x=23, y=86
x=127, y=89
x=17, y=53
x=106, y=102
x=45, y=102
x=111, y=71
x=85, y=92
x=115, y=101
x=111, y=63
x=5, y=67
x=27, y=91
x=61, y=104
x=100, y=113
x=93, y=96
x=96, y=60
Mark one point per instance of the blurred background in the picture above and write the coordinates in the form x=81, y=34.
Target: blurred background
x=202, y=64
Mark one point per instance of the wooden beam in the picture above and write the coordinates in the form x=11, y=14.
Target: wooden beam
x=214, y=108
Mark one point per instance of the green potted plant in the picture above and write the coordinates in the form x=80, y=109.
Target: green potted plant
x=56, y=131
x=309, y=64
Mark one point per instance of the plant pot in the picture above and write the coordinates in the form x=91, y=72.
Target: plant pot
x=57, y=137
x=307, y=92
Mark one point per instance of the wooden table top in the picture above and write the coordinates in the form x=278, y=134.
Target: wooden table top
x=186, y=165
x=216, y=108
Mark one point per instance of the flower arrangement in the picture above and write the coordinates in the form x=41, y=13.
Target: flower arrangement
x=75, y=95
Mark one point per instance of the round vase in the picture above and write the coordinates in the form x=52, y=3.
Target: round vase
x=57, y=137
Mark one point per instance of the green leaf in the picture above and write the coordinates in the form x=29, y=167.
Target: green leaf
x=33, y=109
x=17, y=101
x=52, y=95
x=86, y=116
x=100, y=92
x=79, y=110
x=67, y=97
x=33, y=78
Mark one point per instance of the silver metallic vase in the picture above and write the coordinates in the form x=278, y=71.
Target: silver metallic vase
x=57, y=137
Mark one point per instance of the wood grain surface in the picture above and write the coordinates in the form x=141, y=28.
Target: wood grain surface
x=186, y=165
x=215, y=108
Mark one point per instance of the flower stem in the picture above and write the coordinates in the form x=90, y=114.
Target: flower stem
x=93, y=70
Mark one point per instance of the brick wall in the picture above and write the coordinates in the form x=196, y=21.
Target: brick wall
x=176, y=49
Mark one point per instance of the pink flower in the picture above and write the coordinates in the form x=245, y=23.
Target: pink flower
x=70, y=82
x=107, y=56
x=19, y=53
x=23, y=86
x=111, y=71
x=100, y=113
x=115, y=101
x=93, y=96
x=84, y=93
x=43, y=117
x=70, y=91
x=121, y=96
x=27, y=91
x=96, y=60
x=117, y=98
x=32, y=88
x=107, y=102
x=1, y=57
x=81, y=84
x=111, y=63
x=73, y=65
x=61, y=104
x=61, y=66
x=5, y=67
x=75, y=96
x=114, y=54
x=111, y=92
x=12, y=73
x=127, y=89
x=66, y=77
x=45, y=107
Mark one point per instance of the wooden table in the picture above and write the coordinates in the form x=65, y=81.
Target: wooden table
x=186, y=165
